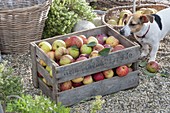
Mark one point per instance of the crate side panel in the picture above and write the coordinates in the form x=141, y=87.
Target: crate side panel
x=45, y=89
x=44, y=73
x=98, y=64
x=103, y=87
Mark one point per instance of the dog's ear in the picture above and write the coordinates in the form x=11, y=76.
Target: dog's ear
x=146, y=18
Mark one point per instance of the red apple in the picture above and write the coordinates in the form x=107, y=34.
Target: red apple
x=66, y=85
x=77, y=84
x=74, y=41
x=39, y=75
x=66, y=59
x=108, y=73
x=101, y=38
x=152, y=66
x=59, y=52
x=122, y=70
x=51, y=54
x=98, y=47
x=81, y=58
x=84, y=55
x=118, y=47
x=107, y=46
x=87, y=79
x=84, y=38
x=98, y=76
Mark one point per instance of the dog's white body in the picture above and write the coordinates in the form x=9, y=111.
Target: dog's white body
x=153, y=35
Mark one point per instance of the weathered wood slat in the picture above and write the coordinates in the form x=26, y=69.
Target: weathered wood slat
x=45, y=89
x=44, y=73
x=34, y=65
x=93, y=65
x=103, y=87
x=55, y=83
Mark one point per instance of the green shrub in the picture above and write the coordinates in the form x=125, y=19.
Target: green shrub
x=39, y=104
x=63, y=15
x=9, y=84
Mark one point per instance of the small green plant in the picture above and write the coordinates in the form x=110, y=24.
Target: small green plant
x=9, y=84
x=64, y=14
x=39, y=104
x=97, y=104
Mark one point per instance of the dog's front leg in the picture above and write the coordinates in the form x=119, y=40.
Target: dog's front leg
x=154, y=50
x=145, y=50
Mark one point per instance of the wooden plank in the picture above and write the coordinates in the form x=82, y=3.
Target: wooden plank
x=55, y=83
x=45, y=89
x=103, y=87
x=97, y=64
x=44, y=73
x=34, y=65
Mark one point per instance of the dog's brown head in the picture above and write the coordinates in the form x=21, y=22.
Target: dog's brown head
x=134, y=23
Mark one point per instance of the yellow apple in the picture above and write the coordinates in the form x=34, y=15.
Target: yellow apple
x=77, y=80
x=58, y=43
x=112, y=41
x=92, y=39
x=45, y=46
x=42, y=63
x=108, y=73
x=88, y=80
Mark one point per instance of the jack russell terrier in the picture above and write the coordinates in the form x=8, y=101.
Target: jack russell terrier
x=148, y=30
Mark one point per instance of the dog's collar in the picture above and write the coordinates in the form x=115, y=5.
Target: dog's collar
x=144, y=34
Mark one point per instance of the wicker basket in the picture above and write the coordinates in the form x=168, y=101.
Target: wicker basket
x=116, y=11
x=21, y=22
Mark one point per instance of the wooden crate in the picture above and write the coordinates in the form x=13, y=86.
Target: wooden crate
x=82, y=68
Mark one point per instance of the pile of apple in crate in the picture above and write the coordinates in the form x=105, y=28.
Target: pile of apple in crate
x=76, y=66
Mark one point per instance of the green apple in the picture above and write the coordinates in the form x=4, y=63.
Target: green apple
x=73, y=51
x=66, y=59
x=85, y=49
x=87, y=79
x=58, y=43
x=45, y=46
x=48, y=68
x=108, y=73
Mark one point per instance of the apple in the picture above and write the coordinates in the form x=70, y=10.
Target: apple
x=45, y=46
x=42, y=63
x=92, y=39
x=129, y=65
x=58, y=43
x=118, y=47
x=59, y=52
x=66, y=85
x=112, y=41
x=84, y=55
x=51, y=54
x=98, y=76
x=66, y=59
x=74, y=41
x=94, y=53
x=98, y=47
x=122, y=70
x=51, y=74
x=81, y=58
x=85, y=49
x=112, y=22
x=77, y=84
x=108, y=73
x=73, y=51
x=130, y=69
x=87, y=79
x=101, y=38
x=48, y=68
x=84, y=38
x=77, y=80
x=45, y=81
x=152, y=66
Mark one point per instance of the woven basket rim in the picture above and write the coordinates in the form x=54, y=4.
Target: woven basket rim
x=20, y=10
x=129, y=6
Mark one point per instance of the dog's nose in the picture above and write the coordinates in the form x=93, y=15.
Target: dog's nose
x=122, y=32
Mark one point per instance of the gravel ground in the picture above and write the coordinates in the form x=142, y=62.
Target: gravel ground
x=152, y=95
